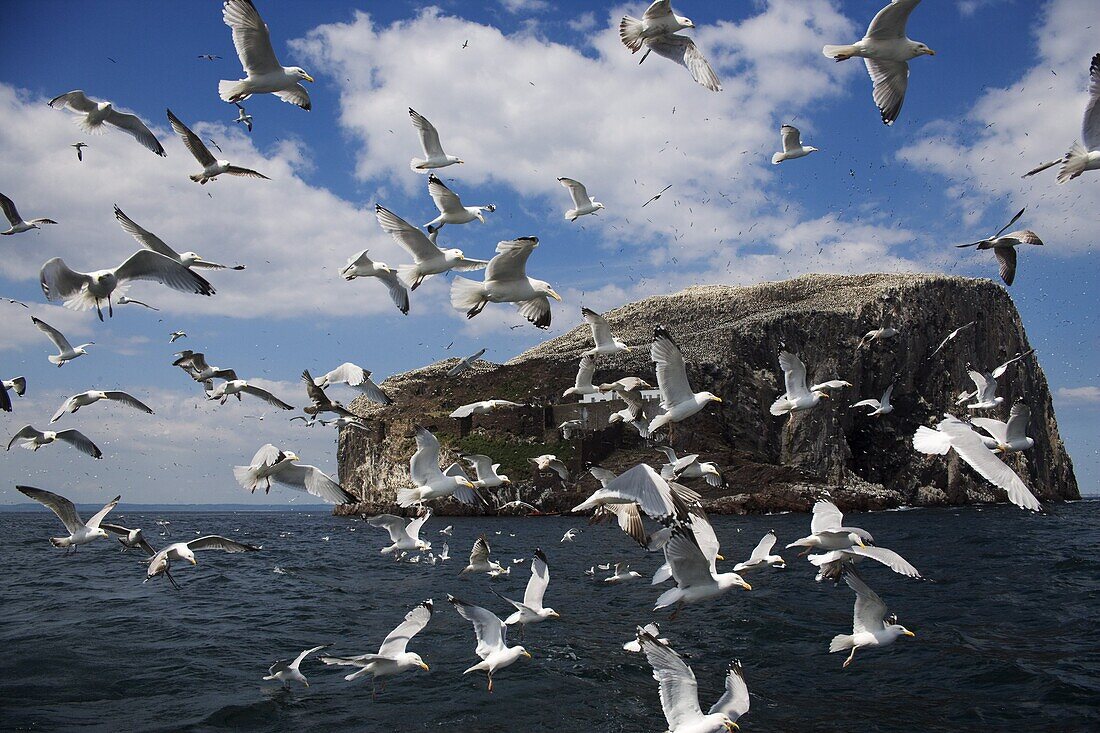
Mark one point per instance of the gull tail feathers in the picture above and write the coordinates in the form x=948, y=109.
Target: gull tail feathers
x=408, y=274
x=245, y=477
x=839, y=52
x=777, y=158
x=840, y=642
x=467, y=295
x=668, y=598
x=781, y=406
x=1074, y=164
x=630, y=31
x=416, y=164
x=407, y=497
x=930, y=441
x=232, y=91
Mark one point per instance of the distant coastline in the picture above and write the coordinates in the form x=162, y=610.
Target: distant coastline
x=180, y=508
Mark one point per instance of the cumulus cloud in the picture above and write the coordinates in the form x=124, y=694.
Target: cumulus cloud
x=1089, y=394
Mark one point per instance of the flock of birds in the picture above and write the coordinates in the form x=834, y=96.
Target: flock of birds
x=677, y=524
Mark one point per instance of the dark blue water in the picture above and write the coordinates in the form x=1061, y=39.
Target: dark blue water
x=1007, y=634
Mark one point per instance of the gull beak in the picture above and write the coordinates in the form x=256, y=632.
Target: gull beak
x=527, y=654
x=719, y=557
x=908, y=633
x=745, y=585
x=424, y=666
x=859, y=542
x=627, y=348
x=930, y=52
x=557, y=615
x=716, y=399
x=193, y=561
x=461, y=161
x=554, y=295
x=307, y=77
x=824, y=395
x=732, y=726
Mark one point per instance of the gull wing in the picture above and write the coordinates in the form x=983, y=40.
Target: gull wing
x=347, y=373
x=301, y=657
x=414, y=241
x=577, y=192
x=889, y=23
x=429, y=137
x=869, y=608
x=671, y=371
x=482, y=465
x=686, y=560
x=479, y=553
x=890, y=79
x=792, y=138
x=217, y=542
x=9, y=210
x=54, y=335
x=75, y=100
x=413, y=527
x=995, y=428
x=148, y=265
x=826, y=517
x=393, y=524
x=59, y=282
x=1004, y=367
x=313, y=481
x=398, y=293
x=424, y=464
x=127, y=399
x=1006, y=259
x=794, y=375
x=80, y=441
x=144, y=237
x=133, y=126
x=869, y=402
x=889, y=558
x=705, y=537
x=1018, y=419
x=510, y=263
x=236, y=170
x=536, y=311
x=540, y=579
x=59, y=505
x=931, y=442
x=266, y=396
x=415, y=621
x=764, y=547
x=659, y=9
x=1090, y=127
x=490, y=630
x=446, y=200
x=192, y=141
x=678, y=688
x=585, y=371
x=98, y=517
x=267, y=455
x=602, y=475
x=644, y=486
x=601, y=331
x=250, y=37
x=735, y=700
x=683, y=51
x=971, y=449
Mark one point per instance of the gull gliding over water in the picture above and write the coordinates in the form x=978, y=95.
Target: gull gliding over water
x=264, y=73
x=429, y=481
x=885, y=50
x=80, y=533
x=273, y=465
x=392, y=657
x=285, y=671
x=160, y=563
x=93, y=115
x=492, y=639
x=868, y=627
x=532, y=610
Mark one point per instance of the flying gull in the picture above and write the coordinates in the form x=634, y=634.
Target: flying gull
x=79, y=151
x=83, y=399
x=1007, y=437
x=798, y=397
x=16, y=221
x=264, y=73
x=33, y=439
x=285, y=671
x=392, y=657
x=273, y=465
x=464, y=365
x=160, y=563
x=479, y=559
x=868, y=627
x=79, y=532
x=1081, y=158
x=65, y=350
x=434, y=157
x=355, y=376
x=237, y=387
x=93, y=115
x=428, y=258
x=532, y=610
x=985, y=391
x=583, y=383
x=429, y=481
x=582, y=202
x=689, y=467
x=605, y=342
x=506, y=281
x=1004, y=247
x=211, y=166
x=243, y=116
x=656, y=31
x=677, y=399
x=792, y=145
x=492, y=639
x=951, y=337
x=482, y=407
x=404, y=534
x=451, y=210
x=130, y=539
x=878, y=406
x=360, y=265
x=761, y=556
x=488, y=476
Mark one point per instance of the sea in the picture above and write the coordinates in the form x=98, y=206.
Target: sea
x=1006, y=628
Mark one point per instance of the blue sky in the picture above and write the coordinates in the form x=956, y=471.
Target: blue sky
x=542, y=90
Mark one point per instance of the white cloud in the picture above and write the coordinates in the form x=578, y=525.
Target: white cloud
x=1087, y=395
x=1010, y=130
x=525, y=6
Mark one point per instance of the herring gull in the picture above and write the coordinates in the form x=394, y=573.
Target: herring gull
x=1081, y=158
x=273, y=465
x=656, y=31
x=65, y=350
x=1004, y=247
x=83, y=399
x=264, y=73
x=878, y=406
x=360, y=265
x=404, y=534
x=92, y=115
x=392, y=656
x=428, y=258
x=1007, y=437
x=80, y=533
x=33, y=439
x=465, y=364
x=160, y=563
x=451, y=210
x=506, y=281
x=16, y=221
x=868, y=626
x=429, y=481
x=677, y=399
x=582, y=202
x=211, y=166
x=797, y=396
x=492, y=639
x=605, y=342
x=286, y=671
x=434, y=157
x=792, y=145
x=761, y=556
x=531, y=610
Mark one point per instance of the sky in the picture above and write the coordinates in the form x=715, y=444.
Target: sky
x=540, y=90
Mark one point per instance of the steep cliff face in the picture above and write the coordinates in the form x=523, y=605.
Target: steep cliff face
x=731, y=338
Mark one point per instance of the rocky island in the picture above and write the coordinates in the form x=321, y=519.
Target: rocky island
x=731, y=338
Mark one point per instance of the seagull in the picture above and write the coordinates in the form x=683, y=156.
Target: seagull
x=79, y=532
x=151, y=241
x=656, y=196
x=1081, y=158
x=210, y=57
x=492, y=639
x=33, y=439
x=434, y=157
x=641, y=485
x=487, y=471
x=159, y=564
x=950, y=337
x=430, y=482
x=761, y=556
x=583, y=383
x=622, y=574
x=570, y=535
x=797, y=397
x=392, y=657
x=79, y=151
x=985, y=391
x=238, y=386
x=479, y=559
x=176, y=335
x=878, y=334
x=550, y=462
x=833, y=563
x=404, y=535
x=263, y=71
x=831, y=384
x=1004, y=247
x=194, y=363
x=123, y=300
x=699, y=525
x=657, y=32
x=506, y=281
x=16, y=221
x=605, y=342
x=464, y=365
x=211, y=166
x=285, y=671
x=84, y=290
x=582, y=202
x=532, y=610
x=571, y=427
x=999, y=371
x=878, y=407
x=130, y=538
x=635, y=647
x=677, y=399
x=694, y=572
x=792, y=145
x=355, y=376
x=886, y=51
x=447, y=531
x=629, y=519
x=868, y=627
x=93, y=115
x=243, y=116
x=17, y=385
x=83, y=399
x=1007, y=437
x=362, y=266
x=273, y=465
x=952, y=433
x=680, y=691
x=689, y=467
x=451, y=210
x=827, y=532
x=65, y=351
x=481, y=408
x=446, y=554
x=342, y=422
x=428, y=258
